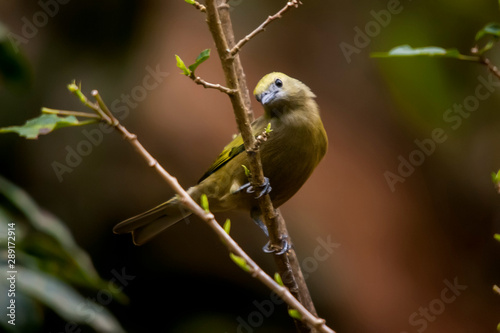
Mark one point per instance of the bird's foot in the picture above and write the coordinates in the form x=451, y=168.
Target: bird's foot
x=248, y=188
x=286, y=245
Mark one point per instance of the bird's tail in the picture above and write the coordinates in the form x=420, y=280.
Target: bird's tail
x=150, y=223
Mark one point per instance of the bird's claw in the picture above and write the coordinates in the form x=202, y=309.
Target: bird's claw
x=266, y=188
x=285, y=247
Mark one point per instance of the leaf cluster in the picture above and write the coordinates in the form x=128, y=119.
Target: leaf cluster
x=52, y=270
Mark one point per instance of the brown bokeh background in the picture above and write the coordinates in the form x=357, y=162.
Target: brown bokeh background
x=395, y=249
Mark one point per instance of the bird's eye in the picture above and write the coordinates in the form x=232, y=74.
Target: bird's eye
x=278, y=83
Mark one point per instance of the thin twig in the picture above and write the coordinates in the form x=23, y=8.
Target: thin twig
x=262, y=27
x=206, y=84
x=199, y=6
x=70, y=113
x=478, y=57
x=492, y=68
x=76, y=90
x=103, y=106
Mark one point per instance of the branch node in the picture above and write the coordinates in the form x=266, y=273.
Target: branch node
x=199, y=6
x=259, y=140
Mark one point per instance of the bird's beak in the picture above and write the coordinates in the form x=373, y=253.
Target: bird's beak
x=266, y=97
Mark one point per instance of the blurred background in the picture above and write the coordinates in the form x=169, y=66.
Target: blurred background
x=412, y=255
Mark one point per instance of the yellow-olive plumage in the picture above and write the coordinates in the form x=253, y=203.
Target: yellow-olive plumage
x=294, y=148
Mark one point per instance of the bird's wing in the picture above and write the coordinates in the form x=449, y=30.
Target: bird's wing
x=235, y=147
x=230, y=151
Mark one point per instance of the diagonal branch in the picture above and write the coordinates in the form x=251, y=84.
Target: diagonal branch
x=199, y=211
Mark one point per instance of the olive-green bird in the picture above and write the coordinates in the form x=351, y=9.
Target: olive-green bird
x=294, y=148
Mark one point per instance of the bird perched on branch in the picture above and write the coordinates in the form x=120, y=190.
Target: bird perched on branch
x=294, y=148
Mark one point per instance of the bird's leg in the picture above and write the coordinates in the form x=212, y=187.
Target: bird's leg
x=261, y=225
x=285, y=244
x=266, y=188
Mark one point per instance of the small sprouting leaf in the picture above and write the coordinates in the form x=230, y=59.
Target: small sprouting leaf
x=277, y=278
x=204, y=203
x=247, y=172
x=294, y=314
x=191, y=2
x=227, y=226
x=240, y=262
x=182, y=66
x=44, y=124
x=495, y=177
x=72, y=87
x=431, y=51
x=491, y=29
x=77, y=90
x=497, y=237
x=268, y=128
x=204, y=55
x=496, y=289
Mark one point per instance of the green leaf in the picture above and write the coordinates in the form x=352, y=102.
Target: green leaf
x=491, y=29
x=191, y=2
x=277, y=278
x=204, y=203
x=65, y=300
x=497, y=237
x=430, y=51
x=227, y=226
x=247, y=172
x=268, y=128
x=182, y=66
x=53, y=243
x=294, y=314
x=204, y=55
x=240, y=262
x=495, y=177
x=44, y=124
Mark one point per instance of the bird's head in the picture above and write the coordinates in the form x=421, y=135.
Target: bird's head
x=277, y=91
